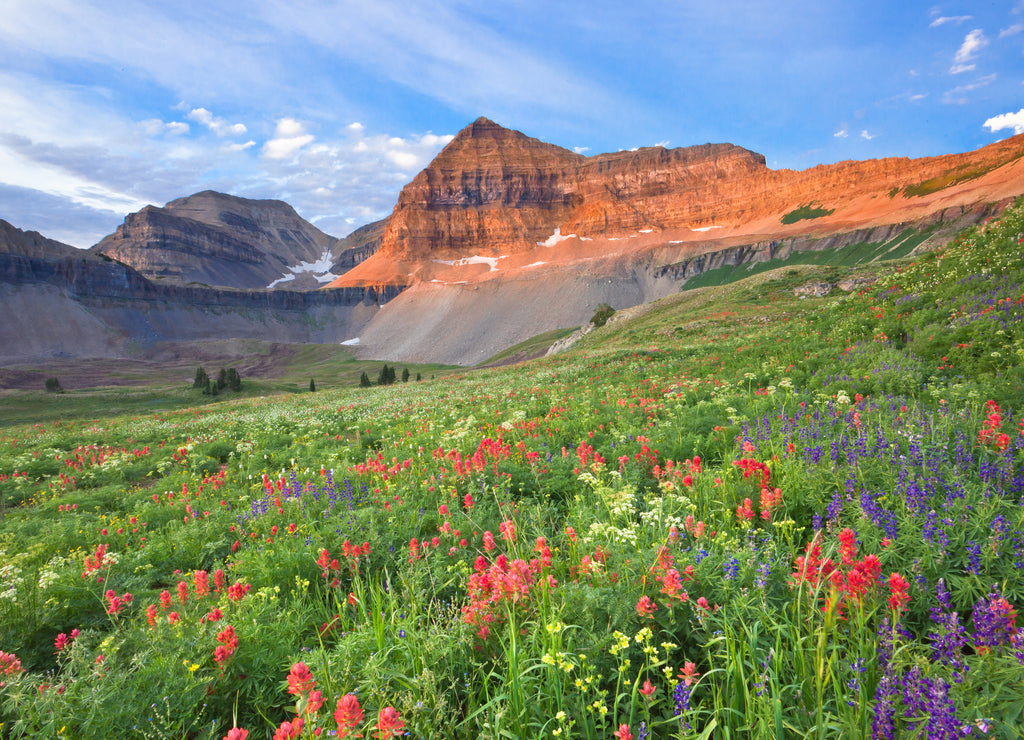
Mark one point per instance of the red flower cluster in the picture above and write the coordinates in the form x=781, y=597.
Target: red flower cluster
x=115, y=603
x=503, y=581
x=97, y=561
x=228, y=644
x=389, y=723
x=899, y=595
x=349, y=716
x=991, y=430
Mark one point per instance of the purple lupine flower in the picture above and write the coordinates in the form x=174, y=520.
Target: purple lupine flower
x=883, y=723
x=949, y=637
x=994, y=620
x=682, y=697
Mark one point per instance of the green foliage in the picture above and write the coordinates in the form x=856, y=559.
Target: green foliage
x=667, y=512
x=955, y=176
x=601, y=315
x=386, y=376
x=364, y=381
x=53, y=386
x=312, y=386
x=202, y=380
x=807, y=211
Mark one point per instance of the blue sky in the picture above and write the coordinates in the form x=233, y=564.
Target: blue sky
x=109, y=105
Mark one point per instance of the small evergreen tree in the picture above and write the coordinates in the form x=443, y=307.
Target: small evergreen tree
x=312, y=386
x=53, y=386
x=234, y=380
x=419, y=377
x=201, y=378
x=364, y=380
x=387, y=375
x=222, y=379
x=405, y=375
x=601, y=316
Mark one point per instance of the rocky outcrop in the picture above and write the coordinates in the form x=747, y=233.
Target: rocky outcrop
x=494, y=192
x=58, y=301
x=490, y=191
x=222, y=240
x=358, y=246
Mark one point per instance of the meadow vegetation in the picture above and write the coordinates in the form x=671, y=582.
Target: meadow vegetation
x=737, y=514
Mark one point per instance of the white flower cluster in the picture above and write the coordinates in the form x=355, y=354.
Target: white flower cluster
x=50, y=572
x=10, y=579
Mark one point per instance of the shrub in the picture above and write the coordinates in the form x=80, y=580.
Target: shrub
x=53, y=386
x=602, y=314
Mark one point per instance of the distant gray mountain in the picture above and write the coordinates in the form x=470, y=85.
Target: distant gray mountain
x=222, y=240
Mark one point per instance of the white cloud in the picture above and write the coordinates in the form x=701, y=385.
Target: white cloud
x=943, y=20
x=1013, y=121
x=156, y=127
x=284, y=148
x=444, y=50
x=581, y=149
x=239, y=147
x=841, y=133
x=217, y=125
x=958, y=95
x=289, y=127
x=1012, y=30
x=356, y=127
x=866, y=136
x=289, y=137
x=974, y=42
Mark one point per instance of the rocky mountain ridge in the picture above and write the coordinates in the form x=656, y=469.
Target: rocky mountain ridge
x=500, y=238
x=495, y=193
x=59, y=301
x=222, y=240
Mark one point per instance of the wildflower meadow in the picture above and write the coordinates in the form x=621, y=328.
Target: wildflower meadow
x=734, y=514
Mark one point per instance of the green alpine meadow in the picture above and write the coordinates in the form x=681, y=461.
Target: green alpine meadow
x=732, y=513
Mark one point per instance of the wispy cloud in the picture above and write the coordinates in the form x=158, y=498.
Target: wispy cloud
x=1003, y=121
x=866, y=136
x=1011, y=30
x=841, y=133
x=955, y=19
x=217, y=125
x=974, y=42
x=442, y=50
x=958, y=95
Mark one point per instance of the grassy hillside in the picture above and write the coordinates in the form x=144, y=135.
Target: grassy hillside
x=737, y=514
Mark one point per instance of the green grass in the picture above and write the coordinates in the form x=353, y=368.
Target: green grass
x=808, y=211
x=704, y=520
x=529, y=348
x=850, y=256
x=964, y=173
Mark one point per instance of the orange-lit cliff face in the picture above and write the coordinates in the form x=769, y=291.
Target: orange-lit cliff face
x=496, y=193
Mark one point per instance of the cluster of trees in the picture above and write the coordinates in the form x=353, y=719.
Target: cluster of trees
x=387, y=376
x=227, y=379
